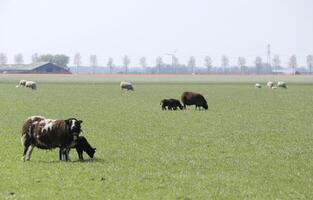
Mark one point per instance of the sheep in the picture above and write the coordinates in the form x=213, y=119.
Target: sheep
x=126, y=85
x=193, y=98
x=31, y=84
x=270, y=84
x=22, y=83
x=257, y=85
x=45, y=133
x=282, y=84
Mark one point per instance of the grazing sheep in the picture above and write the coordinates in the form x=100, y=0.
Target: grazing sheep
x=81, y=145
x=282, y=84
x=270, y=84
x=126, y=85
x=171, y=104
x=45, y=133
x=192, y=98
x=257, y=85
x=31, y=84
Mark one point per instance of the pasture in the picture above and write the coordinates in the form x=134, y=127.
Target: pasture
x=250, y=143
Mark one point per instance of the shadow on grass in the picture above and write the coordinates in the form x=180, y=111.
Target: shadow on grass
x=90, y=160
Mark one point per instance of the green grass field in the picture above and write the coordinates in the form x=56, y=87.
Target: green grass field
x=250, y=143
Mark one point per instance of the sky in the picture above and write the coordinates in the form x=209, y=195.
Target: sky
x=153, y=28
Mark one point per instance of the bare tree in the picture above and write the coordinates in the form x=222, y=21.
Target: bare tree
x=225, y=62
x=110, y=64
x=208, y=63
x=3, y=59
x=18, y=59
x=77, y=61
x=159, y=63
x=309, y=61
x=258, y=64
x=35, y=58
x=276, y=62
x=93, y=62
x=293, y=63
x=143, y=62
x=126, y=62
x=241, y=63
x=192, y=63
x=175, y=63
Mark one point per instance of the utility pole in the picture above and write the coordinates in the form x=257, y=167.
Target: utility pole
x=173, y=57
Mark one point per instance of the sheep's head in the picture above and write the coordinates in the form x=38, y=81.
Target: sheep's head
x=74, y=125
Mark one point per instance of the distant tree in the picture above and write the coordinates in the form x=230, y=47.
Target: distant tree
x=61, y=60
x=208, y=63
x=93, y=62
x=58, y=59
x=110, y=64
x=35, y=58
x=18, y=59
x=175, y=63
x=225, y=62
x=126, y=62
x=77, y=61
x=143, y=62
x=276, y=62
x=46, y=58
x=258, y=64
x=309, y=61
x=241, y=63
x=3, y=59
x=159, y=63
x=293, y=63
x=192, y=63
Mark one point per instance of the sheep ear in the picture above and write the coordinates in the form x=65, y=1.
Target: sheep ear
x=67, y=122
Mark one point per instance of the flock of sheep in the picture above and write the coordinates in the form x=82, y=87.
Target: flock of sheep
x=27, y=84
x=270, y=84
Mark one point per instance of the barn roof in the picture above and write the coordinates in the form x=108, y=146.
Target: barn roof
x=26, y=67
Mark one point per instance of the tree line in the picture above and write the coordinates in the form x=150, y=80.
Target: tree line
x=260, y=67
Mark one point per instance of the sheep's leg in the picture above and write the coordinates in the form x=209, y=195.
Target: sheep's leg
x=28, y=152
x=67, y=155
x=60, y=154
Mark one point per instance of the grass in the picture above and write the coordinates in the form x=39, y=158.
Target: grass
x=250, y=143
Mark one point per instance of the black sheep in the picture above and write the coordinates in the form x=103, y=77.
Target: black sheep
x=192, y=98
x=171, y=104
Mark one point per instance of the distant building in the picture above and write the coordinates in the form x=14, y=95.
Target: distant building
x=36, y=68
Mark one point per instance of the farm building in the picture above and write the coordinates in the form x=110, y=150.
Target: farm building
x=36, y=68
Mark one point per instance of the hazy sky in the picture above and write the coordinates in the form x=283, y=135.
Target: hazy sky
x=152, y=28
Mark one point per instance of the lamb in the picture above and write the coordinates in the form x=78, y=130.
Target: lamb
x=31, y=84
x=126, y=85
x=171, y=104
x=81, y=145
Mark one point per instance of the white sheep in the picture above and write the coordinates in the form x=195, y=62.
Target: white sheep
x=257, y=85
x=22, y=83
x=126, y=85
x=31, y=84
x=270, y=84
x=282, y=84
